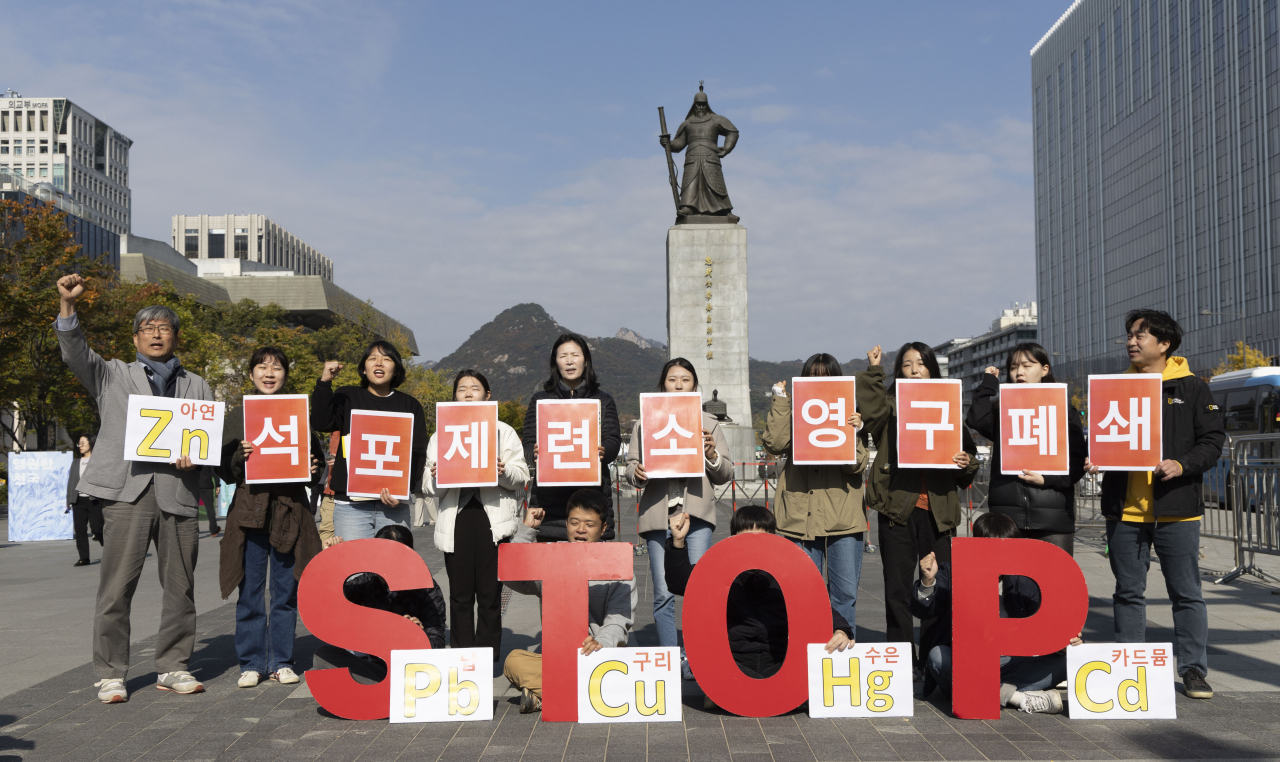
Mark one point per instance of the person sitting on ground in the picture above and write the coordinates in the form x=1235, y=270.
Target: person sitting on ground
x=610, y=604
x=424, y=606
x=1027, y=682
x=757, y=609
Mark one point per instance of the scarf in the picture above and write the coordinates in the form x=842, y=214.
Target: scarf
x=162, y=375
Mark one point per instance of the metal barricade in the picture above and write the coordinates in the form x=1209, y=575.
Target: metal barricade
x=1250, y=493
x=748, y=490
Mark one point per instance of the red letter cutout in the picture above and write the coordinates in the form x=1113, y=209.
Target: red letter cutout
x=339, y=622
x=980, y=637
x=706, y=636
x=564, y=569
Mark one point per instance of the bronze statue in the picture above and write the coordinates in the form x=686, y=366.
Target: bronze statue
x=703, y=197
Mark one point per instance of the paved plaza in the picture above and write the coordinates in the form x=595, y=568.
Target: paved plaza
x=49, y=710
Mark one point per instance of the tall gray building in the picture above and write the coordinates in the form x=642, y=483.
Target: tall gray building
x=1155, y=176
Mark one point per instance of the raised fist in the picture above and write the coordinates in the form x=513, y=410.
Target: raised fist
x=331, y=369
x=71, y=286
x=874, y=355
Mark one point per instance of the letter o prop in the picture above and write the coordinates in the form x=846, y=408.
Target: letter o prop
x=706, y=635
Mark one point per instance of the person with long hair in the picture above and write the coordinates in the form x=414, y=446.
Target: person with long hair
x=819, y=508
x=663, y=498
x=572, y=377
x=919, y=508
x=381, y=372
x=270, y=534
x=1042, y=507
x=86, y=510
x=470, y=525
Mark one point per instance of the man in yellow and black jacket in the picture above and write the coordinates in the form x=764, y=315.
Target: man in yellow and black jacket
x=1162, y=509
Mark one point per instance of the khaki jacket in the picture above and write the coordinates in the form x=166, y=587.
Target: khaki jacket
x=813, y=501
x=893, y=491
x=699, y=494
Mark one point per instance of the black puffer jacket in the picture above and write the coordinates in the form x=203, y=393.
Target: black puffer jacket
x=1048, y=508
x=1019, y=598
x=756, y=612
x=553, y=499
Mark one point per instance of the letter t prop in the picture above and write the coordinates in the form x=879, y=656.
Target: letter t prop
x=980, y=637
x=564, y=568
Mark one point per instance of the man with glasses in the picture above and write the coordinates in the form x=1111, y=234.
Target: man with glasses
x=145, y=502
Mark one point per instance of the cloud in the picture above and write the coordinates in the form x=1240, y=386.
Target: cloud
x=771, y=113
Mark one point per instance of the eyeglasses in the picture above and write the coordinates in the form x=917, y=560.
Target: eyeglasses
x=156, y=330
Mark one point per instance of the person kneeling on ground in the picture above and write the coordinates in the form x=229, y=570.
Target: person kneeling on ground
x=757, y=610
x=1026, y=682
x=610, y=604
x=424, y=606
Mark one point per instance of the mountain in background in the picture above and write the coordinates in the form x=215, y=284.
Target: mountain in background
x=513, y=349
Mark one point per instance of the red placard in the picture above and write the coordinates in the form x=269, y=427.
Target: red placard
x=1125, y=431
x=820, y=406
x=278, y=425
x=378, y=453
x=467, y=444
x=929, y=433
x=569, y=443
x=1033, y=429
x=671, y=427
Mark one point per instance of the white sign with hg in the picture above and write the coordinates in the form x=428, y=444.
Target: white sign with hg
x=441, y=685
x=1121, y=681
x=162, y=429
x=864, y=680
x=629, y=685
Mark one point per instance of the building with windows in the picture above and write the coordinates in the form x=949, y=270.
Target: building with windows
x=89, y=228
x=247, y=237
x=54, y=141
x=1155, y=166
x=942, y=351
x=968, y=359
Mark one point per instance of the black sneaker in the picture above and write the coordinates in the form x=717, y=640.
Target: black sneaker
x=1195, y=685
x=81, y=562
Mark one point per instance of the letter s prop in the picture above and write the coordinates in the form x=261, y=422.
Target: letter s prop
x=706, y=635
x=980, y=637
x=564, y=569
x=332, y=618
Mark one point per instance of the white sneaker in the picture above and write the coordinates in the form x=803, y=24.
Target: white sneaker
x=285, y=675
x=248, y=680
x=111, y=690
x=179, y=682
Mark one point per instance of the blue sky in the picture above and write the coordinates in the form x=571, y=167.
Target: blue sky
x=454, y=159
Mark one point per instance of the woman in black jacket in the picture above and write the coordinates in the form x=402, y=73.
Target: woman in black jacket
x=572, y=377
x=1043, y=507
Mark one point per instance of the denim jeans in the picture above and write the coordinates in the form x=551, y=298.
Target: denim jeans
x=1177, y=544
x=664, y=603
x=843, y=556
x=362, y=519
x=1024, y=673
x=264, y=644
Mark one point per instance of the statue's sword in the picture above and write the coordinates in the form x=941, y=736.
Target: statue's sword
x=671, y=164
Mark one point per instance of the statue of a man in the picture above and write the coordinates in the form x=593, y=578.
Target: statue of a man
x=702, y=190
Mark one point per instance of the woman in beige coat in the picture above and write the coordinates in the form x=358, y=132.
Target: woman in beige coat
x=666, y=497
x=820, y=508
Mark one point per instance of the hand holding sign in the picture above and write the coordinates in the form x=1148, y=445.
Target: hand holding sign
x=1033, y=430
x=378, y=455
x=821, y=416
x=568, y=446
x=1125, y=422
x=278, y=438
x=669, y=426
x=467, y=444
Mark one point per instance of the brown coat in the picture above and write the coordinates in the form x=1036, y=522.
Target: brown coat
x=813, y=501
x=293, y=523
x=698, y=494
x=893, y=491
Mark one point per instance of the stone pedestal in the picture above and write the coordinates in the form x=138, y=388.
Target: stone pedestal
x=707, y=319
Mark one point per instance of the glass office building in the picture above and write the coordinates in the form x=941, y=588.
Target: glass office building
x=1155, y=128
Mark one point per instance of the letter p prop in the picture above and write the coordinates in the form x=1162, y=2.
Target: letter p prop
x=980, y=636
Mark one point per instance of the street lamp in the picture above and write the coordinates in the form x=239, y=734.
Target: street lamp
x=1235, y=315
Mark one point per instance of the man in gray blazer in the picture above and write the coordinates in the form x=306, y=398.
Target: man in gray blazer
x=144, y=502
